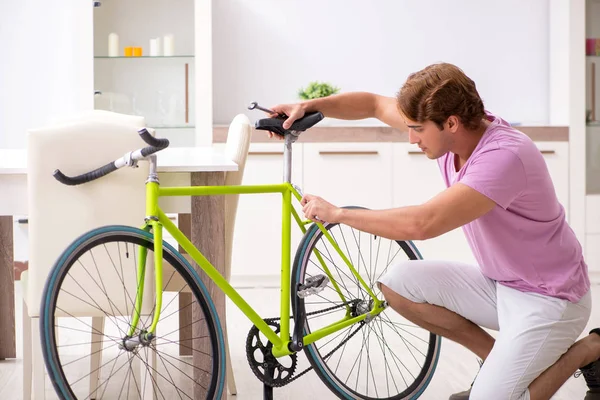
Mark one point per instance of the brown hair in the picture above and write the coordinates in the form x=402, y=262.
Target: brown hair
x=439, y=91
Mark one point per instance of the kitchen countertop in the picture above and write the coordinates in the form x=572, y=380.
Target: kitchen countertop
x=321, y=134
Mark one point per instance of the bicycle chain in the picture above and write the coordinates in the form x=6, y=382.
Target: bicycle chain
x=361, y=323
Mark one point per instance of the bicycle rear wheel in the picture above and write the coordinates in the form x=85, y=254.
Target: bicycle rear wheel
x=86, y=346
x=387, y=357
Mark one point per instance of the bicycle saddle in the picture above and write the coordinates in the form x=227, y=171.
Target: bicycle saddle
x=275, y=125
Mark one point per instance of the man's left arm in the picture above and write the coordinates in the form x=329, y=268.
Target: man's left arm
x=456, y=206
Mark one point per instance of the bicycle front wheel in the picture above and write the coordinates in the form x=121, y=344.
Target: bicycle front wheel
x=387, y=357
x=86, y=316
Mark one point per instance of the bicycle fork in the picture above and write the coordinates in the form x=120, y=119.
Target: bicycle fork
x=151, y=223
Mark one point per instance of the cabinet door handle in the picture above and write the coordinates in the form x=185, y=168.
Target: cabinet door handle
x=265, y=153
x=547, y=151
x=348, y=152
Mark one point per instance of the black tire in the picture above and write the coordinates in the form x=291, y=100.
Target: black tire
x=211, y=378
x=319, y=354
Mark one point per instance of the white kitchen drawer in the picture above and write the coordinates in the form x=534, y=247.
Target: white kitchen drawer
x=416, y=178
x=592, y=213
x=350, y=173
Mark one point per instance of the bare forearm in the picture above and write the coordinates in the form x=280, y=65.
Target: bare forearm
x=404, y=223
x=358, y=105
x=349, y=106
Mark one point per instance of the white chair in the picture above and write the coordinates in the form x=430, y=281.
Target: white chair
x=236, y=148
x=58, y=214
x=238, y=141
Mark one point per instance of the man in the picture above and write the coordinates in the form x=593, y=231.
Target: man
x=531, y=283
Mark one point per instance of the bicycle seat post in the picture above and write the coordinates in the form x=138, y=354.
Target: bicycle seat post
x=287, y=156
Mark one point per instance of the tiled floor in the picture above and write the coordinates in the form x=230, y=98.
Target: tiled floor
x=455, y=371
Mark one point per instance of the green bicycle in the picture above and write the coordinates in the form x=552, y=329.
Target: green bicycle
x=331, y=305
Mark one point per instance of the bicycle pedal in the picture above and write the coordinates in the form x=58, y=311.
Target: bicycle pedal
x=312, y=285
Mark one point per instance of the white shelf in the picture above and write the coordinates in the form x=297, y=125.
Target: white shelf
x=134, y=57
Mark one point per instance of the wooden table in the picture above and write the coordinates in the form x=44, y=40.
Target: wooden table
x=176, y=166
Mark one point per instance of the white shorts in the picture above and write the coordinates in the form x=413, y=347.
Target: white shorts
x=533, y=330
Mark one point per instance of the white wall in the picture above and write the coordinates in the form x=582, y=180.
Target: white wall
x=558, y=64
x=44, y=73
x=266, y=50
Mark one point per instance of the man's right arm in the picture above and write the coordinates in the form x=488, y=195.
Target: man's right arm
x=347, y=106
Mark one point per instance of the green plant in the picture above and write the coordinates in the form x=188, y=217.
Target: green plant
x=317, y=89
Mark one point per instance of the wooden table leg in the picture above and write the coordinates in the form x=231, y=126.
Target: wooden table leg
x=7, y=290
x=185, y=298
x=208, y=235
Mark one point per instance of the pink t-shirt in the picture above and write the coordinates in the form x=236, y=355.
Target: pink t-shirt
x=524, y=242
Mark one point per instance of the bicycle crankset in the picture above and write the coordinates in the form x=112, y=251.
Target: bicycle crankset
x=275, y=372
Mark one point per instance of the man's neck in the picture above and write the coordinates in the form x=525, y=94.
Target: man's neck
x=470, y=141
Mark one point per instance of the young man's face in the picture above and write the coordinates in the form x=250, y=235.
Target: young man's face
x=428, y=136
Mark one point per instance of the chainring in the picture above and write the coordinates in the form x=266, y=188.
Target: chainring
x=262, y=360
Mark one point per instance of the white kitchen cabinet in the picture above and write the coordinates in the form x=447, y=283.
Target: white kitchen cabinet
x=256, y=258
x=417, y=179
x=349, y=174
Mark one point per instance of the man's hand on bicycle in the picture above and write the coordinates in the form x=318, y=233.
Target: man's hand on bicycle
x=318, y=210
x=292, y=111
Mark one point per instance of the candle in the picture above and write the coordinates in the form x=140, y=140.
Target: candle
x=155, y=47
x=168, y=45
x=113, y=45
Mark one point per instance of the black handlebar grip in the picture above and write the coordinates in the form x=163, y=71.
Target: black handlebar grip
x=152, y=141
x=84, y=178
x=146, y=151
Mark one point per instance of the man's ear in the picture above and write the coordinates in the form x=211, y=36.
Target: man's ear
x=452, y=123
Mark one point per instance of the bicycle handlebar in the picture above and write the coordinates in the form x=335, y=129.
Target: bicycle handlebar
x=154, y=145
x=84, y=178
x=152, y=141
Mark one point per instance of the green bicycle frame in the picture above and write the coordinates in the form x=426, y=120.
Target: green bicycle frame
x=157, y=220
